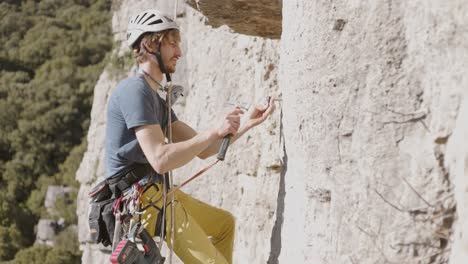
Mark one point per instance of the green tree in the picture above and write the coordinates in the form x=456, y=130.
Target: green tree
x=32, y=255
x=40, y=254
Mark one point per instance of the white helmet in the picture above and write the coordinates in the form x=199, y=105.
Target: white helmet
x=148, y=21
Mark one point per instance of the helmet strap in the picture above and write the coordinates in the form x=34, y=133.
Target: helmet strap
x=158, y=56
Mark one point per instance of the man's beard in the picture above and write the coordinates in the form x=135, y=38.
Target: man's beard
x=167, y=68
x=170, y=68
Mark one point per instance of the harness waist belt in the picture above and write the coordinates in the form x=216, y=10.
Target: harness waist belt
x=119, y=184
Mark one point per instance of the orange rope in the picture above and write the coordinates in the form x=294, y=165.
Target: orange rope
x=173, y=190
x=192, y=178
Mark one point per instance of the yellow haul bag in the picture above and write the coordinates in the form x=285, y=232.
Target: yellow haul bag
x=152, y=205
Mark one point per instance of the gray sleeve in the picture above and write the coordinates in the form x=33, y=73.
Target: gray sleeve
x=138, y=106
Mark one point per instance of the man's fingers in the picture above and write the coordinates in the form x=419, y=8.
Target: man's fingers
x=261, y=107
x=234, y=123
x=236, y=111
x=270, y=103
x=233, y=117
x=271, y=107
x=234, y=120
x=233, y=130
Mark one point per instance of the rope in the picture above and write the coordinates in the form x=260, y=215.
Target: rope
x=173, y=190
x=175, y=10
x=163, y=224
x=196, y=175
x=171, y=182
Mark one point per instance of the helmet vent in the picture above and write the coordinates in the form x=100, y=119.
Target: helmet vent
x=141, y=18
x=150, y=20
x=150, y=17
x=159, y=21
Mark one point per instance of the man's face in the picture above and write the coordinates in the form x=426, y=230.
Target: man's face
x=171, y=51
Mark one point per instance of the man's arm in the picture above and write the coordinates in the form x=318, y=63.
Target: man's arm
x=256, y=115
x=165, y=157
x=182, y=132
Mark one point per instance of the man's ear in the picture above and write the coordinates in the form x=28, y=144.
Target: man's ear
x=150, y=46
x=147, y=47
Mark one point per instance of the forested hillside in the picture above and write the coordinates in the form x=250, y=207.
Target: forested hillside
x=52, y=53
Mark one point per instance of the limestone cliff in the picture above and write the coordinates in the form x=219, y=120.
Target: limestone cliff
x=372, y=92
x=370, y=167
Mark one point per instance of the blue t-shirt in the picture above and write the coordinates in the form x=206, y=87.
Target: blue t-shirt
x=132, y=104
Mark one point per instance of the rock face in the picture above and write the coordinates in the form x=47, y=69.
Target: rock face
x=46, y=231
x=370, y=167
x=54, y=193
x=228, y=67
x=372, y=92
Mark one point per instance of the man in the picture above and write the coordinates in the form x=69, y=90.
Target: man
x=136, y=120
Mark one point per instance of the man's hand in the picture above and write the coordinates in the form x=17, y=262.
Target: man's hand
x=259, y=113
x=229, y=124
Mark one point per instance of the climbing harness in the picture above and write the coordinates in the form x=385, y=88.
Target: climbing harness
x=128, y=211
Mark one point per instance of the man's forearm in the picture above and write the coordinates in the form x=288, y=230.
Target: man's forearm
x=175, y=155
x=213, y=148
